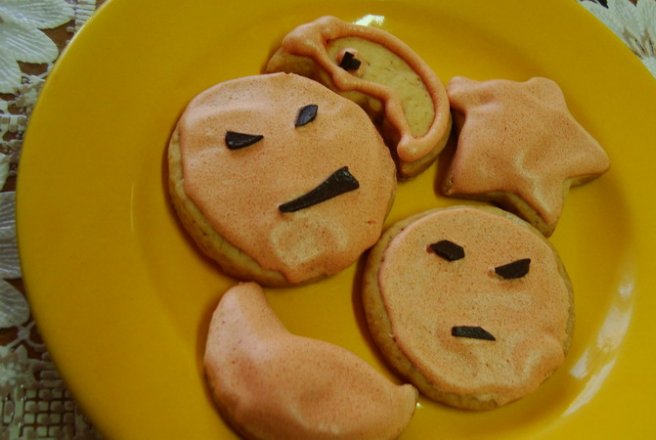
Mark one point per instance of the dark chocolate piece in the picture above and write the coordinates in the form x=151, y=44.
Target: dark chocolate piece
x=337, y=183
x=516, y=269
x=473, y=332
x=235, y=140
x=447, y=250
x=349, y=62
x=306, y=115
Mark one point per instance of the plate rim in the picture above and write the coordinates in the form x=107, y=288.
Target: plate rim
x=113, y=7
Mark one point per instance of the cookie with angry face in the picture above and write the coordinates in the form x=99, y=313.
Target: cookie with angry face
x=278, y=179
x=470, y=304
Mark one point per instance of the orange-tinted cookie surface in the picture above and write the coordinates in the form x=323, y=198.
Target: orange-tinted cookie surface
x=284, y=170
x=519, y=145
x=271, y=384
x=470, y=304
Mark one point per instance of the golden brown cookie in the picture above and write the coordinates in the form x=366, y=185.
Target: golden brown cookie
x=279, y=179
x=383, y=75
x=470, y=304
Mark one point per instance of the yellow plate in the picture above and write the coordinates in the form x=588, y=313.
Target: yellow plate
x=123, y=298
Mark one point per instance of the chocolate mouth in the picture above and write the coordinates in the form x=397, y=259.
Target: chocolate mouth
x=339, y=182
x=472, y=332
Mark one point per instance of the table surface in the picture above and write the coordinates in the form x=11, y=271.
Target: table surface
x=34, y=401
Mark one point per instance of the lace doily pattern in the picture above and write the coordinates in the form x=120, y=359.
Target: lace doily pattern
x=34, y=401
x=632, y=21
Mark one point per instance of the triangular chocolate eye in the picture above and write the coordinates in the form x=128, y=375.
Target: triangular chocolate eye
x=516, y=269
x=448, y=250
x=235, y=140
x=306, y=115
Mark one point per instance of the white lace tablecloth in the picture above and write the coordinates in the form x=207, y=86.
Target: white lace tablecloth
x=34, y=401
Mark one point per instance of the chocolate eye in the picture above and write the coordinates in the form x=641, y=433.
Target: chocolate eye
x=349, y=62
x=516, y=269
x=448, y=250
x=235, y=140
x=306, y=115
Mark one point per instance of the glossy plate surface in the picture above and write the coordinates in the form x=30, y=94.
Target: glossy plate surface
x=123, y=298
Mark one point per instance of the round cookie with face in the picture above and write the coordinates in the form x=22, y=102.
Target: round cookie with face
x=470, y=304
x=278, y=179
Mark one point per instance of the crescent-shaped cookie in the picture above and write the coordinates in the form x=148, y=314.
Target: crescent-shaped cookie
x=271, y=384
x=374, y=68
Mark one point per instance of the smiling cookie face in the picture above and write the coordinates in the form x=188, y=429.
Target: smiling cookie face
x=288, y=173
x=476, y=301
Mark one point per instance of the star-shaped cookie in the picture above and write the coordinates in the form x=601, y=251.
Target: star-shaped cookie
x=519, y=146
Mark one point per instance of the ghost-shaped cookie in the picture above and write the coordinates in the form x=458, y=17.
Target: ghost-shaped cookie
x=471, y=304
